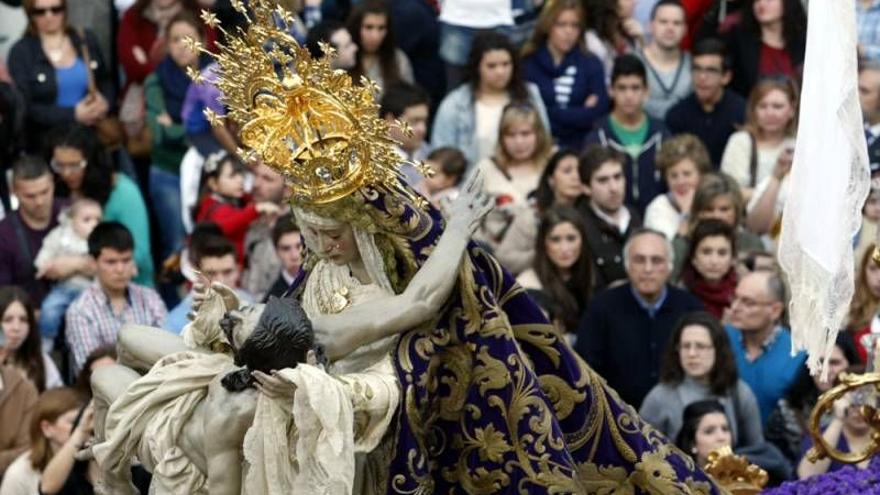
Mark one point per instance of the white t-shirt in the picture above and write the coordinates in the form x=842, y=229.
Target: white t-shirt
x=488, y=120
x=21, y=478
x=476, y=13
x=738, y=154
x=663, y=216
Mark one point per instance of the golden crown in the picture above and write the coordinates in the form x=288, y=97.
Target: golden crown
x=298, y=115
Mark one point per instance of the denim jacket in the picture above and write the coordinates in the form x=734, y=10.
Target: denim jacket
x=455, y=124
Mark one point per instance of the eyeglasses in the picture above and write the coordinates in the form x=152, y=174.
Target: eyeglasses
x=640, y=260
x=748, y=303
x=41, y=11
x=709, y=71
x=62, y=167
x=696, y=346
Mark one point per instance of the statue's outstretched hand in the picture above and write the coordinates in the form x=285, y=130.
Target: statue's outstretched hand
x=466, y=212
x=200, y=290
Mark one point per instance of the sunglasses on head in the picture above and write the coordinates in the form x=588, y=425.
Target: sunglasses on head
x=41, y=11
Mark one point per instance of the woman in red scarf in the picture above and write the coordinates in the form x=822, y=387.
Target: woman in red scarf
x=709, y=268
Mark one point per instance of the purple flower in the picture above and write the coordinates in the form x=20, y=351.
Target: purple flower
x=848, y=480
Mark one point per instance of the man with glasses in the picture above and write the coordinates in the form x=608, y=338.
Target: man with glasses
x=711, y=112
x=22, y=231
x=625, y=330
x=761, y=344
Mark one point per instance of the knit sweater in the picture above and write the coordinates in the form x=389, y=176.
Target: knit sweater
x=664, y=406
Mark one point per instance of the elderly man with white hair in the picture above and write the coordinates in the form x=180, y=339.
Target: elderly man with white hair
x=625, y=330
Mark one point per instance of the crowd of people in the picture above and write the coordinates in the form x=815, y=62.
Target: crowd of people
x=637, y=152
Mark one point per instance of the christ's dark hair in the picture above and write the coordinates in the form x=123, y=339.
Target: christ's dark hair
x=281, y=339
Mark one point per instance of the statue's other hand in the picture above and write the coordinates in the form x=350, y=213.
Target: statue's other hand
x=466, y=212
x=274, y=386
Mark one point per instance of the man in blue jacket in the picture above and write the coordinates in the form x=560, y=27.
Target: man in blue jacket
x=630, y=130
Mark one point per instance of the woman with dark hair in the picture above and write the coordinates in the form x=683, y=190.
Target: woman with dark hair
x=22, y=346
x=717, y=196
x=710, y=268
x=84, y=170
x=562, y=268
x=571, y=79
x=770, y=41
x=559, y=184
x=378, y=56
x=787, y=425
x=611, y=30
x=705, y=428
x=698, y=364
x=48, y=65
x=469, y=116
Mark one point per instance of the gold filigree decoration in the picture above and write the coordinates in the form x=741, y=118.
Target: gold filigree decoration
x=299, y=115
x=734, y=472
x=848, y=383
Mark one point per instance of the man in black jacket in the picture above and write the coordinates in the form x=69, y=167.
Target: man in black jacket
x=626, y=329
x=607, y=221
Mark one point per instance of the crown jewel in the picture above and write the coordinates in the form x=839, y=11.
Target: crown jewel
x=298, y=115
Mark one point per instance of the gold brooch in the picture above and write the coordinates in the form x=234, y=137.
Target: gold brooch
x=340, y=300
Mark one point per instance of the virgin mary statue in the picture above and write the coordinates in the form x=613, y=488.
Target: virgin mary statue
x=490, y=397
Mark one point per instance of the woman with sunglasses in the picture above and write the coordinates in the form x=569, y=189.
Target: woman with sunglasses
x=48, y=65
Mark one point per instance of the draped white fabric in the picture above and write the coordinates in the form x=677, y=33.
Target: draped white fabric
x=829, y=182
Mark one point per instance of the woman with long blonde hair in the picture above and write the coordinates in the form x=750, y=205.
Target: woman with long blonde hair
x=512, y=173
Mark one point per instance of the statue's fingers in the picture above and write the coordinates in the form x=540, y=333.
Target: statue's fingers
x=476, y=182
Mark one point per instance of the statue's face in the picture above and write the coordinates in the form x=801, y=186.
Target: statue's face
x=335, y=243
x=241, y=324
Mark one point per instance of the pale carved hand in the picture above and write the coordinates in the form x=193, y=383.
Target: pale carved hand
x=467, y=210
x=274, y=386
x=202, y=290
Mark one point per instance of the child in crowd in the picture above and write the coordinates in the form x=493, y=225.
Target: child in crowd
x=449, y=166
x=289, y=249
x=70, y=237
x=224, y=202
